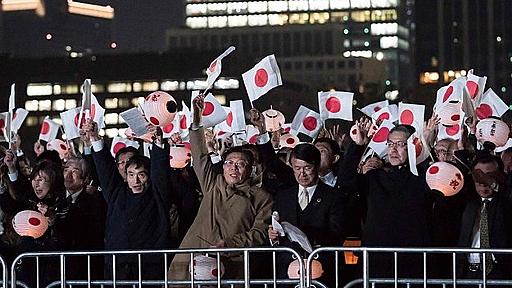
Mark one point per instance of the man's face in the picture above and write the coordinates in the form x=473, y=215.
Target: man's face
x=73, y=180
x=397, y=148
x=306, y=174
x=506, y=157
x=236, y=168
x=327, y=157
x=443, y=151
x=121, y=163
x=137, y=178
x=485, y=190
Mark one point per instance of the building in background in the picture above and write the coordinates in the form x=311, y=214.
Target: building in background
x=322, y=34
x=455, y=36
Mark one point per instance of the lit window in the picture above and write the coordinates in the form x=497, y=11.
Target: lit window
x=363, y=53
x=121, y=121
x=340, y=4
x=319, y=4
x=137, y=101
x=218, y=21
x=102, y=133
x=150, y=86
x=196, y=85
x=361, y=16
x=298, y=5
x=183, y=85
x=257, y=20
x=197, y=22
x=217, y=8
x=59, y=105
x=57, y=89
x=360, y=3
x=31, y=121
x=169, y=85
x=384, y=3
x=227, y=84
x=111, y=103
x=257, y=7
x=237, y=7
x=119, y=87
x=237, y=21
x=70, y=89
x=221, y=99
x=123, y=103
x=384, y=28
x=32, y=105
x=122, y=131
x=39, y=89
x=70, y=104
x=338, y=17
x=111, y=118
x=112, y=132
x=45, y=105
x=299, y=18
x=277, y=6
x=97, y=88
x=319, y=18
x=384, y=15
x=277, y=19
x=136, y=86
x=196, y=9
x=389, y=42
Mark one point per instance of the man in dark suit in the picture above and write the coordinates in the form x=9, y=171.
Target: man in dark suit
x=312, y=206
x=486, y=222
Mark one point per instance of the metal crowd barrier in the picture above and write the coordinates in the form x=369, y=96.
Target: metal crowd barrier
x=165, y=282
x=366, y=281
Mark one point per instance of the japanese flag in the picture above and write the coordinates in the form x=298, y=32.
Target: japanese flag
x=262, y=77
x=417, y=151
x=171, y=128
x=213, y=71
x=386, y=113
x=490, y=105
x=251, y=134
x=378, y=143
x=307, y=121
x=454, y=92
x=236, y=117
x=49, y=130
x=18, y=118
x=411, y=114
x=337, y=105
x=451, y=132
x=119, y=142
x=70, y=122
x=374, y=107
x=213, y=112
x=475, y=85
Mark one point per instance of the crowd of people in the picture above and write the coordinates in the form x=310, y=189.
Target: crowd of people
x=94, y=201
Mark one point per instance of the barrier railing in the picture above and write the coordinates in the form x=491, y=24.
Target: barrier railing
x=167, y=281
x=367, y=281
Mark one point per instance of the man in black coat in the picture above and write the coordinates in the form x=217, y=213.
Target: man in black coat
x=138, y=209
x=486, y=222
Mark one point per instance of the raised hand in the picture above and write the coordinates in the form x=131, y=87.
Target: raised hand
x=38, y=148
x=359, y=132
x=198, y=107
x=257, y=120
x=10, y=160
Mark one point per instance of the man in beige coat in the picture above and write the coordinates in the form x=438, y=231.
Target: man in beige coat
x=233, y=213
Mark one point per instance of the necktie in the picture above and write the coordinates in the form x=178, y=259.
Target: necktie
x=484, y=235
x=304, y=199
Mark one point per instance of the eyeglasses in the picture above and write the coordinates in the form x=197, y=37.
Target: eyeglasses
x=239, y=164
x=398, y=144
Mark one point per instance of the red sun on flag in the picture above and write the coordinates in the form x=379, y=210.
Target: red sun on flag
x=407, y=117
x=45, y=128
x=453, y=130
x=168, y=128
x=229, y=119
x=333, y=104
x=472, y=88
x=208, y=108
x=2, y=123
x=118, y=146
x=447, y=93
x=253, y=139
x=383, y=116
x=183, y=122
x=381, y=135
x=212, y=66
x=261, y=77
x=310, y=123
x=483, y=111
x=14, y=114
x=417, y=146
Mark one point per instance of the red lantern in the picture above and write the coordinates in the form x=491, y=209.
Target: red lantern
x=205, y=268
x=274, y=120
x=30, y=223
x=445, y=177
x=492, y=130
x=179, y=156
x=294, y=269
x=159, y=108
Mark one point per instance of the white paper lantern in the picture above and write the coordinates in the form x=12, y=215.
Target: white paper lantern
x=58, y=145
x=30, y=223
x=205, y=268
x=288, y=140
x=450, y=113
x=294, y=269
x=274, y=120
x=492, y=130
x=179, y=156
x=159, y=108
x=445, y=177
